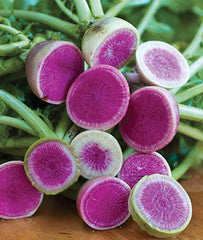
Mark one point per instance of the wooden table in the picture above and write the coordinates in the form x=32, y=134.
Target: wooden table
x=57, y=219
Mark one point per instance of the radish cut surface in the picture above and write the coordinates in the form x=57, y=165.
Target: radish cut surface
x=99, y=154
x=98, y=98
x=160, y=206
x=103, y=202
x=161, y=64
x=51, y=68
x=18, y=198
x=151, y=121
x=51, y=165
x=138, y=165
x=111, y=41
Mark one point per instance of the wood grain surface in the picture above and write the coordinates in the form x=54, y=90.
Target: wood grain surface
x=57, y=219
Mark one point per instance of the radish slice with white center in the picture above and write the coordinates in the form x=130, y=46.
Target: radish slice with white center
x=103, y=202
x=138, y=165
x=160, y=206
x=151, y=121
x=99, y=154
x=18, y=198
x=51, y=68
x=161, y=64
x=98, y=98
x=51, y=165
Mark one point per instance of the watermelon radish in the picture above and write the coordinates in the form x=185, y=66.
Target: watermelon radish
x=103, y=202
x=18, y=198
x=110, y=41
x=98, y=98
x=160, y=206
x=99, y=154
x=138, y=165
x=51, y=67
x=51, y=165
x=151, y=121
x=160, y=64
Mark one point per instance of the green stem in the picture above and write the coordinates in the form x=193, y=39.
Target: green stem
x=10, y=65
x=189, y=131
x=18, y=142
x=27, y=114
x=152, y=9
x=63, y=125
x=196, y=66
x=67, y=12
x=52, y=22
x=83, y=11
x=17, y=123
x=190, y=113
x=15, y=151
x=13, y=77
x=117, y=8
x=127, y=152
x=96, y=8
x=73, y=131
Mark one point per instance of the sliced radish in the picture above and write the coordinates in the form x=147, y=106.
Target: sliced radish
x=18, y=198
x=51, y=68
x=151, y=121
x=99, y=154
x=138, y=165
x=51, y=165
x=98, y=98
x=161, y=64
x=160, y=206
x=103, y=202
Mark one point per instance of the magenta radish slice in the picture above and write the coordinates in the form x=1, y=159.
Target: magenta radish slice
x=161, y=64
x=99, y=154
x=98, y=98
x=18, y=198
x=151, y=121
x=51, y=68
x=110, y=41
x=160, y=206
x=103, y=202
x=138, y=165
x=51, y=165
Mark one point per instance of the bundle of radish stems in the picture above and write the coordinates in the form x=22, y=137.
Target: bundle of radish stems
x=81, y=158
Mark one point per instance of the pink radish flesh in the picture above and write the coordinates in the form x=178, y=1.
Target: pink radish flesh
x=18, y=198
x=99, y=98
x=138, y=165
x=151, y=121
x=103, y=202
x=51, y=68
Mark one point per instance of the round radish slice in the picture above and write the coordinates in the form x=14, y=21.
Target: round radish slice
x=161, y=64
x=151, y=121
x=110, y=41
x=51, y=165
x=160, y=206
x=99, y=154
x=51, y=68
x=18, y=198
x=138, y=165
x=103, y=202
x=98, y=98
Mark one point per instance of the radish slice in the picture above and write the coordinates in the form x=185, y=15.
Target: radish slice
x=160, y=64
x=160, y=206
x=103, y=202
x=51, y=68
x=151, y=121
x=51, y=165
x=99, y=154
x=18, y=198
x=98, y=98
x=138, y=165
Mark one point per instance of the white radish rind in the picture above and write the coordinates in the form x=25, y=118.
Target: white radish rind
x=18, y=198
x=111, y=41
x=103, y=202
x=98, y=98
x=51, y=165
x=160, y=206
x=99, y=154
x=161, y=64
x=138, y=165
x=151, y=121
x=51, y=67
